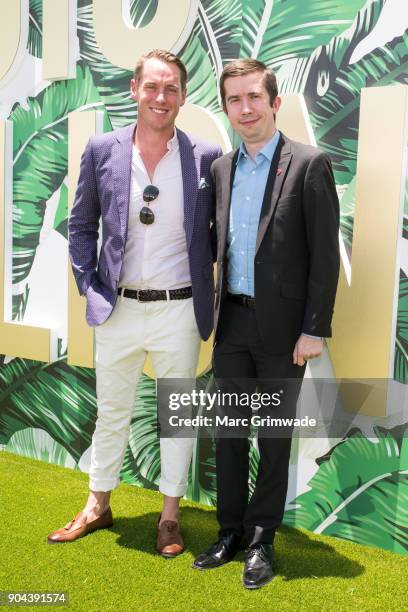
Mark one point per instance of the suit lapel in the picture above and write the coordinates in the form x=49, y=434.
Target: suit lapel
x=276, y=178
x=189, y=171
x=122, y=170
x=227, y=178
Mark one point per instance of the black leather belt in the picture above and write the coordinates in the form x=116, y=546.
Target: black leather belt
x=240, y=298
x=154, y=295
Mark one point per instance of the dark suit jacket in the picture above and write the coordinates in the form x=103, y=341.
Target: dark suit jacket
x=297, y=248
x=103, y=195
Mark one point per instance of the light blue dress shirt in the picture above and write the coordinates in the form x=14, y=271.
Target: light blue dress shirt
x=246, y=204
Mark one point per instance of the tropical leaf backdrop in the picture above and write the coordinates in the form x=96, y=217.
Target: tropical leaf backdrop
x=40, y=157
x=359, y=490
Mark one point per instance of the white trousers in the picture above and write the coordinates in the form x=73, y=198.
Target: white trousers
x=167, y=330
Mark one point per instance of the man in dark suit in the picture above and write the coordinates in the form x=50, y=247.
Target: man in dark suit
x=278, y=262
x=150, y=290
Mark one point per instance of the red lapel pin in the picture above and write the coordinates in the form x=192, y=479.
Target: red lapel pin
x=279, y=172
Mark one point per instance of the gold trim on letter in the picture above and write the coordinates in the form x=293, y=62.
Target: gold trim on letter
x=13, y=36
x=362, y=344
x=59, y=31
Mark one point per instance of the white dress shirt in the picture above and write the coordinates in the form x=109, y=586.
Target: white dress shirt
x=156, y=255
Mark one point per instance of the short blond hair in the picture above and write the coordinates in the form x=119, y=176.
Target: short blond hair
x=165, y=56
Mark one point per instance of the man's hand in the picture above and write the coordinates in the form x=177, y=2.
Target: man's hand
x=306, y=348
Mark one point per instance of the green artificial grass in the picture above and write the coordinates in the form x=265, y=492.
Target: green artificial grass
x=117, y=569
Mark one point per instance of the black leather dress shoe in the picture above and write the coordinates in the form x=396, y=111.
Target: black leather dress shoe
x=220, y=553
x=258, y=566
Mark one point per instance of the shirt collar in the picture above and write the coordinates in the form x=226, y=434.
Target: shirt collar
x=173, y=143
x=267, y=150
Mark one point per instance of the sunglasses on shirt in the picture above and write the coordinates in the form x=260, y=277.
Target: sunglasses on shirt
x=146, y=215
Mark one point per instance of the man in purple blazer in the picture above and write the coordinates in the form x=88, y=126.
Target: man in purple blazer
x=150, y=290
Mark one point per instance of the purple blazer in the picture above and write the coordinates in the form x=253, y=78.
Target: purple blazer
x=103, y=196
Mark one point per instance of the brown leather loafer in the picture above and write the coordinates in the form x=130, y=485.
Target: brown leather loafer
x=78, y=527
x=169, y=541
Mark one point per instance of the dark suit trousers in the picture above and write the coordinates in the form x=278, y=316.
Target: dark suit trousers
x=239, y=358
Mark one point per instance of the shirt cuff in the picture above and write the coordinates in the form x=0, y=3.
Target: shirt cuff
x=310, y=336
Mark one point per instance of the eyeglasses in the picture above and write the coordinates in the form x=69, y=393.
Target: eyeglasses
x=146, y=215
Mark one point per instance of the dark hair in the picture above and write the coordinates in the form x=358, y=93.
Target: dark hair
x=165, y=56
x=243, y=66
